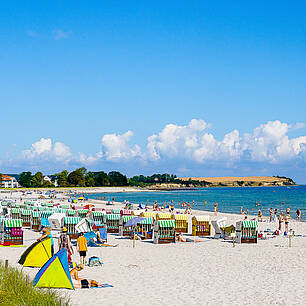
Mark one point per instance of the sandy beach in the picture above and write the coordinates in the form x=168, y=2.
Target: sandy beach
x=210, y=272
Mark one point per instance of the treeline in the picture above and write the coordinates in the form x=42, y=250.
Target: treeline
x=77, y=178
x=165, y=178
x=83, y=178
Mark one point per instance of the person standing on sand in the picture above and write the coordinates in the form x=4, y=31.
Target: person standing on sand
x=271, y=214
x=259, y=216
x=216, y=209
x=288, y=211
x=275, y=214
x=280, y=221
x=64, y=243
x=82, y=247
x=241, y=211
x=287, y=223
x=298, y=215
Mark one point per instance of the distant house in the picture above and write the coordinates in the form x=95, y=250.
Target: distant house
x=47, y=178
x=9, y=182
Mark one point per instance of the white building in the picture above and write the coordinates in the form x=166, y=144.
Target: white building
x=9, y=182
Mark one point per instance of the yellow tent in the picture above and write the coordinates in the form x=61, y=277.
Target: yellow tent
x=37, y=254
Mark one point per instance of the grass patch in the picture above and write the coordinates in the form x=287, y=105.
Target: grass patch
x=15, y=289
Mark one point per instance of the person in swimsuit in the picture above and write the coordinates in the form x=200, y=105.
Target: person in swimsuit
x=46, y=232
x=64, y=243
x=82, y=282
x=298, y=215
x=287, y=223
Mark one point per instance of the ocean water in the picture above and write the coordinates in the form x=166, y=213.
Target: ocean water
x=229, y=199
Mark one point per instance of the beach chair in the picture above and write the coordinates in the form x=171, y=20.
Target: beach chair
x=219, y=226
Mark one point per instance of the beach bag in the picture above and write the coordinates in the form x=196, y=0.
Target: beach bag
x=94, y=261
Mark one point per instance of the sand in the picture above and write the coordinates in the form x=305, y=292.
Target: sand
x=212, y=272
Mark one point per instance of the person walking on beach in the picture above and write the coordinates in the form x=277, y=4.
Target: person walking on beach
x=65, y=243
x=259, y=216
x=271, y=214
x=275, y=214
x=298, y=215
x=288, y=211
x=216, y=209
x=287, y=223
x=82, y=247
x=280, y=221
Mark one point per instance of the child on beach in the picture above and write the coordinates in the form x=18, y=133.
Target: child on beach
x=82, y=247
x=298, y=215
x=216, y=209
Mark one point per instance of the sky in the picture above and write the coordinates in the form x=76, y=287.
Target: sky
x=194, y=88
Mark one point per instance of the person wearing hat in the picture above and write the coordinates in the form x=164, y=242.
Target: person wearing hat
x=65, y=243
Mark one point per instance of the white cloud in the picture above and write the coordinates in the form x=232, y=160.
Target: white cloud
x=270, y=142
x=116, y=147
x=189, y=146
x=43, y=149
x=60, y=34
x=90, y=159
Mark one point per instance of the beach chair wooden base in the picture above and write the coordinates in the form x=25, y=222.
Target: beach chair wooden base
x=35, y=228
x=26, y=224
x=113, y=230
x=12, y=242
x=202, y=234
x=181, y=230
x=163, y=241
x=248, y=240
x=73, y=236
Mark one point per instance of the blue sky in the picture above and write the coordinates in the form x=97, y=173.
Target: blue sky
x=89, y=83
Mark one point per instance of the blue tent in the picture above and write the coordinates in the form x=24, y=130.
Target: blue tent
x=54, y=273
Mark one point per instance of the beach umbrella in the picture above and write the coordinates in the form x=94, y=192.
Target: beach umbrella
x=133, y=223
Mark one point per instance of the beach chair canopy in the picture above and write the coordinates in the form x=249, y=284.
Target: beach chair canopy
x=37, y=254
x=201, y=218
x=72, y=220
x=164, y=215
x=54, y=273
x=35, y=214
x=147, y=221
x=15, y=210
x=113, y=217
x=249, y=223
x=127, y=218
x=98, y=213
x=26, y=212
x=166, y=223
x=12, y=222
x=116, y=211
x=149, y=214
x=180, y=217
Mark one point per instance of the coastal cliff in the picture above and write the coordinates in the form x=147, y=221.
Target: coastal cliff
x=231, y=181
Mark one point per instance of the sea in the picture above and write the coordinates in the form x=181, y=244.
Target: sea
x=229, y=199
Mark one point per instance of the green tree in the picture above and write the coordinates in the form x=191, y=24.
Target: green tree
x=25, y=179
x=37, y=179
x=77, y=177
x=89, y=179
x=117, y=179
x=62, y=178
x=101, y=179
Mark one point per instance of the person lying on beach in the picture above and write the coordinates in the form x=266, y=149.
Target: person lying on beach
x=83, y=282
x=181, y=238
